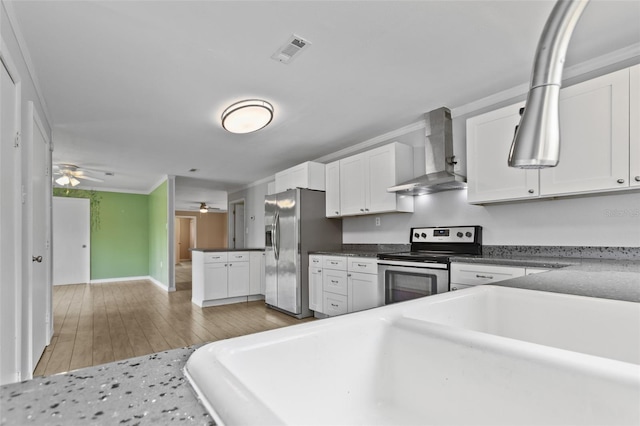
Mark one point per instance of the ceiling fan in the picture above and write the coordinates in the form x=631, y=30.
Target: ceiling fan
x=70, y=175
x=204, y=208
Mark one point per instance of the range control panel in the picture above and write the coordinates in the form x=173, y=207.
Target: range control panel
x=454, y=234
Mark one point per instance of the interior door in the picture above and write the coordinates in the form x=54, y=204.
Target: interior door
x=39, y=297
x=10, y=228
x=71, y=235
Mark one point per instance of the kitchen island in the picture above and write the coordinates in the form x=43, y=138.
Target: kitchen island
x=153, y=390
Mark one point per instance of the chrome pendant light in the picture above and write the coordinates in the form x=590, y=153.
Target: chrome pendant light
x=536, y=143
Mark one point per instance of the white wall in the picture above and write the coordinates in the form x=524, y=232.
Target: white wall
x=254, y=212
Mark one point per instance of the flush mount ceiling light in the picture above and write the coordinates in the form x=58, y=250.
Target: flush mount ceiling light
x=203, y=208
x=247, y=116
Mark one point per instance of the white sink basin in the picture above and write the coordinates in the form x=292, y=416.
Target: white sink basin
x=477, y=356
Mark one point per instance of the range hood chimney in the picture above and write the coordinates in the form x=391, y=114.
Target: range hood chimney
x=439, y=159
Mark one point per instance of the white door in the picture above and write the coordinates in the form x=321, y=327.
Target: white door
x=71, y=236
x=37, y=298
x=10, y=228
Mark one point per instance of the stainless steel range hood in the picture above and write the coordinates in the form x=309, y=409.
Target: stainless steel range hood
x=439, y=159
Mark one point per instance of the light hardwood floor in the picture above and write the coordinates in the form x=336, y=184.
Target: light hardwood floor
x=99, y=323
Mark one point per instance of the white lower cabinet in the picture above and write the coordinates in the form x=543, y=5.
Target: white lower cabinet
x=465, y=275
x=342, y=284
x=216, y=275
x=316, y=294
x=335, y=304
x=238, y=279
x=220, y=278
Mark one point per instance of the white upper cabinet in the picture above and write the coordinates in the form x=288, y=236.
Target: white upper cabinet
x=634, y=127
x=489, y=178
x=309, y=175
x=594, y=135
x=332, y=188
x=364, y=179
x=599, y=144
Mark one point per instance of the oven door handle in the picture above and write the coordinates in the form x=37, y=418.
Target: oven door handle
x=421, y=265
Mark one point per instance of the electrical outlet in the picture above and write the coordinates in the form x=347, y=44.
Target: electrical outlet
x=377, y=221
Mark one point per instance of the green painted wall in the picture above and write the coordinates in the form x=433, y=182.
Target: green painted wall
x=158, y=234
x=119, y=235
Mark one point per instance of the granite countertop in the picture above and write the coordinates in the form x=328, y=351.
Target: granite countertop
x=604, y=278
x=147, y=390
x=218, y=250
x=350, y=253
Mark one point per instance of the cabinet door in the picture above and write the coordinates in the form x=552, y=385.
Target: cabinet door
x=381, y=174
x=353, y=184
x=283, y=180
x=315, y=289
x=489, y=178
x=238, y=280
x=332, y=184
x=594, y=135
x=364, y=292
x=215, y=281
x=634, y=126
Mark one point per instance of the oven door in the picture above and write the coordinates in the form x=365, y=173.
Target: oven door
x=410, y=280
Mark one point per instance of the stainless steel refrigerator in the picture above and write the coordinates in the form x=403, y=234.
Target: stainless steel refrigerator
x=295, y=224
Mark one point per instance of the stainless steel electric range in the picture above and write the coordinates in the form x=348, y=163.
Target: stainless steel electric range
x=424, y=270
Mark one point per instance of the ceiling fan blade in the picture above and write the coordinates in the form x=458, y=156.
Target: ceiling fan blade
x=85, y=177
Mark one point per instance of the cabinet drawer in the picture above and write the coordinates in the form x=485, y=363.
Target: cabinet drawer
x=335, y=262
x=334, y=281
x=334, y=304
x=472, y=274
x=364, y=265
x=315, y=261
x=239, y=256
x=215, y=257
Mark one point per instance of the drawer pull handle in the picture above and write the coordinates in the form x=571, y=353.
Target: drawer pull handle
x=620, y=181
x=489, y=277
x=454, y=288
x=334, y=305
x=334, y=263
x=334, y=281
x=362, y=265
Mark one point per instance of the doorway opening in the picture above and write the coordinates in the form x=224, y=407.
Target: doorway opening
x=185, y=238
x=237, y=224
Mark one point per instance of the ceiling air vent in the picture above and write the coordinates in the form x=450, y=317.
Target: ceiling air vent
x=290, y=49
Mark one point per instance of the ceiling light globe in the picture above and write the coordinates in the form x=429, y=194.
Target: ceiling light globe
x=247, y=116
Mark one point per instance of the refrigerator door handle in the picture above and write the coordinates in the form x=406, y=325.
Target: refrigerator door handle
x=275, y=238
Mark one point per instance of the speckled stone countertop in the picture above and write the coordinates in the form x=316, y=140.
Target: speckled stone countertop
x=363, y=250
x=218, y=250
x=604, y=278
x=147, y=390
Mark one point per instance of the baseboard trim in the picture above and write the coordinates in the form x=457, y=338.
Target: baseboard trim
x=138, y=278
